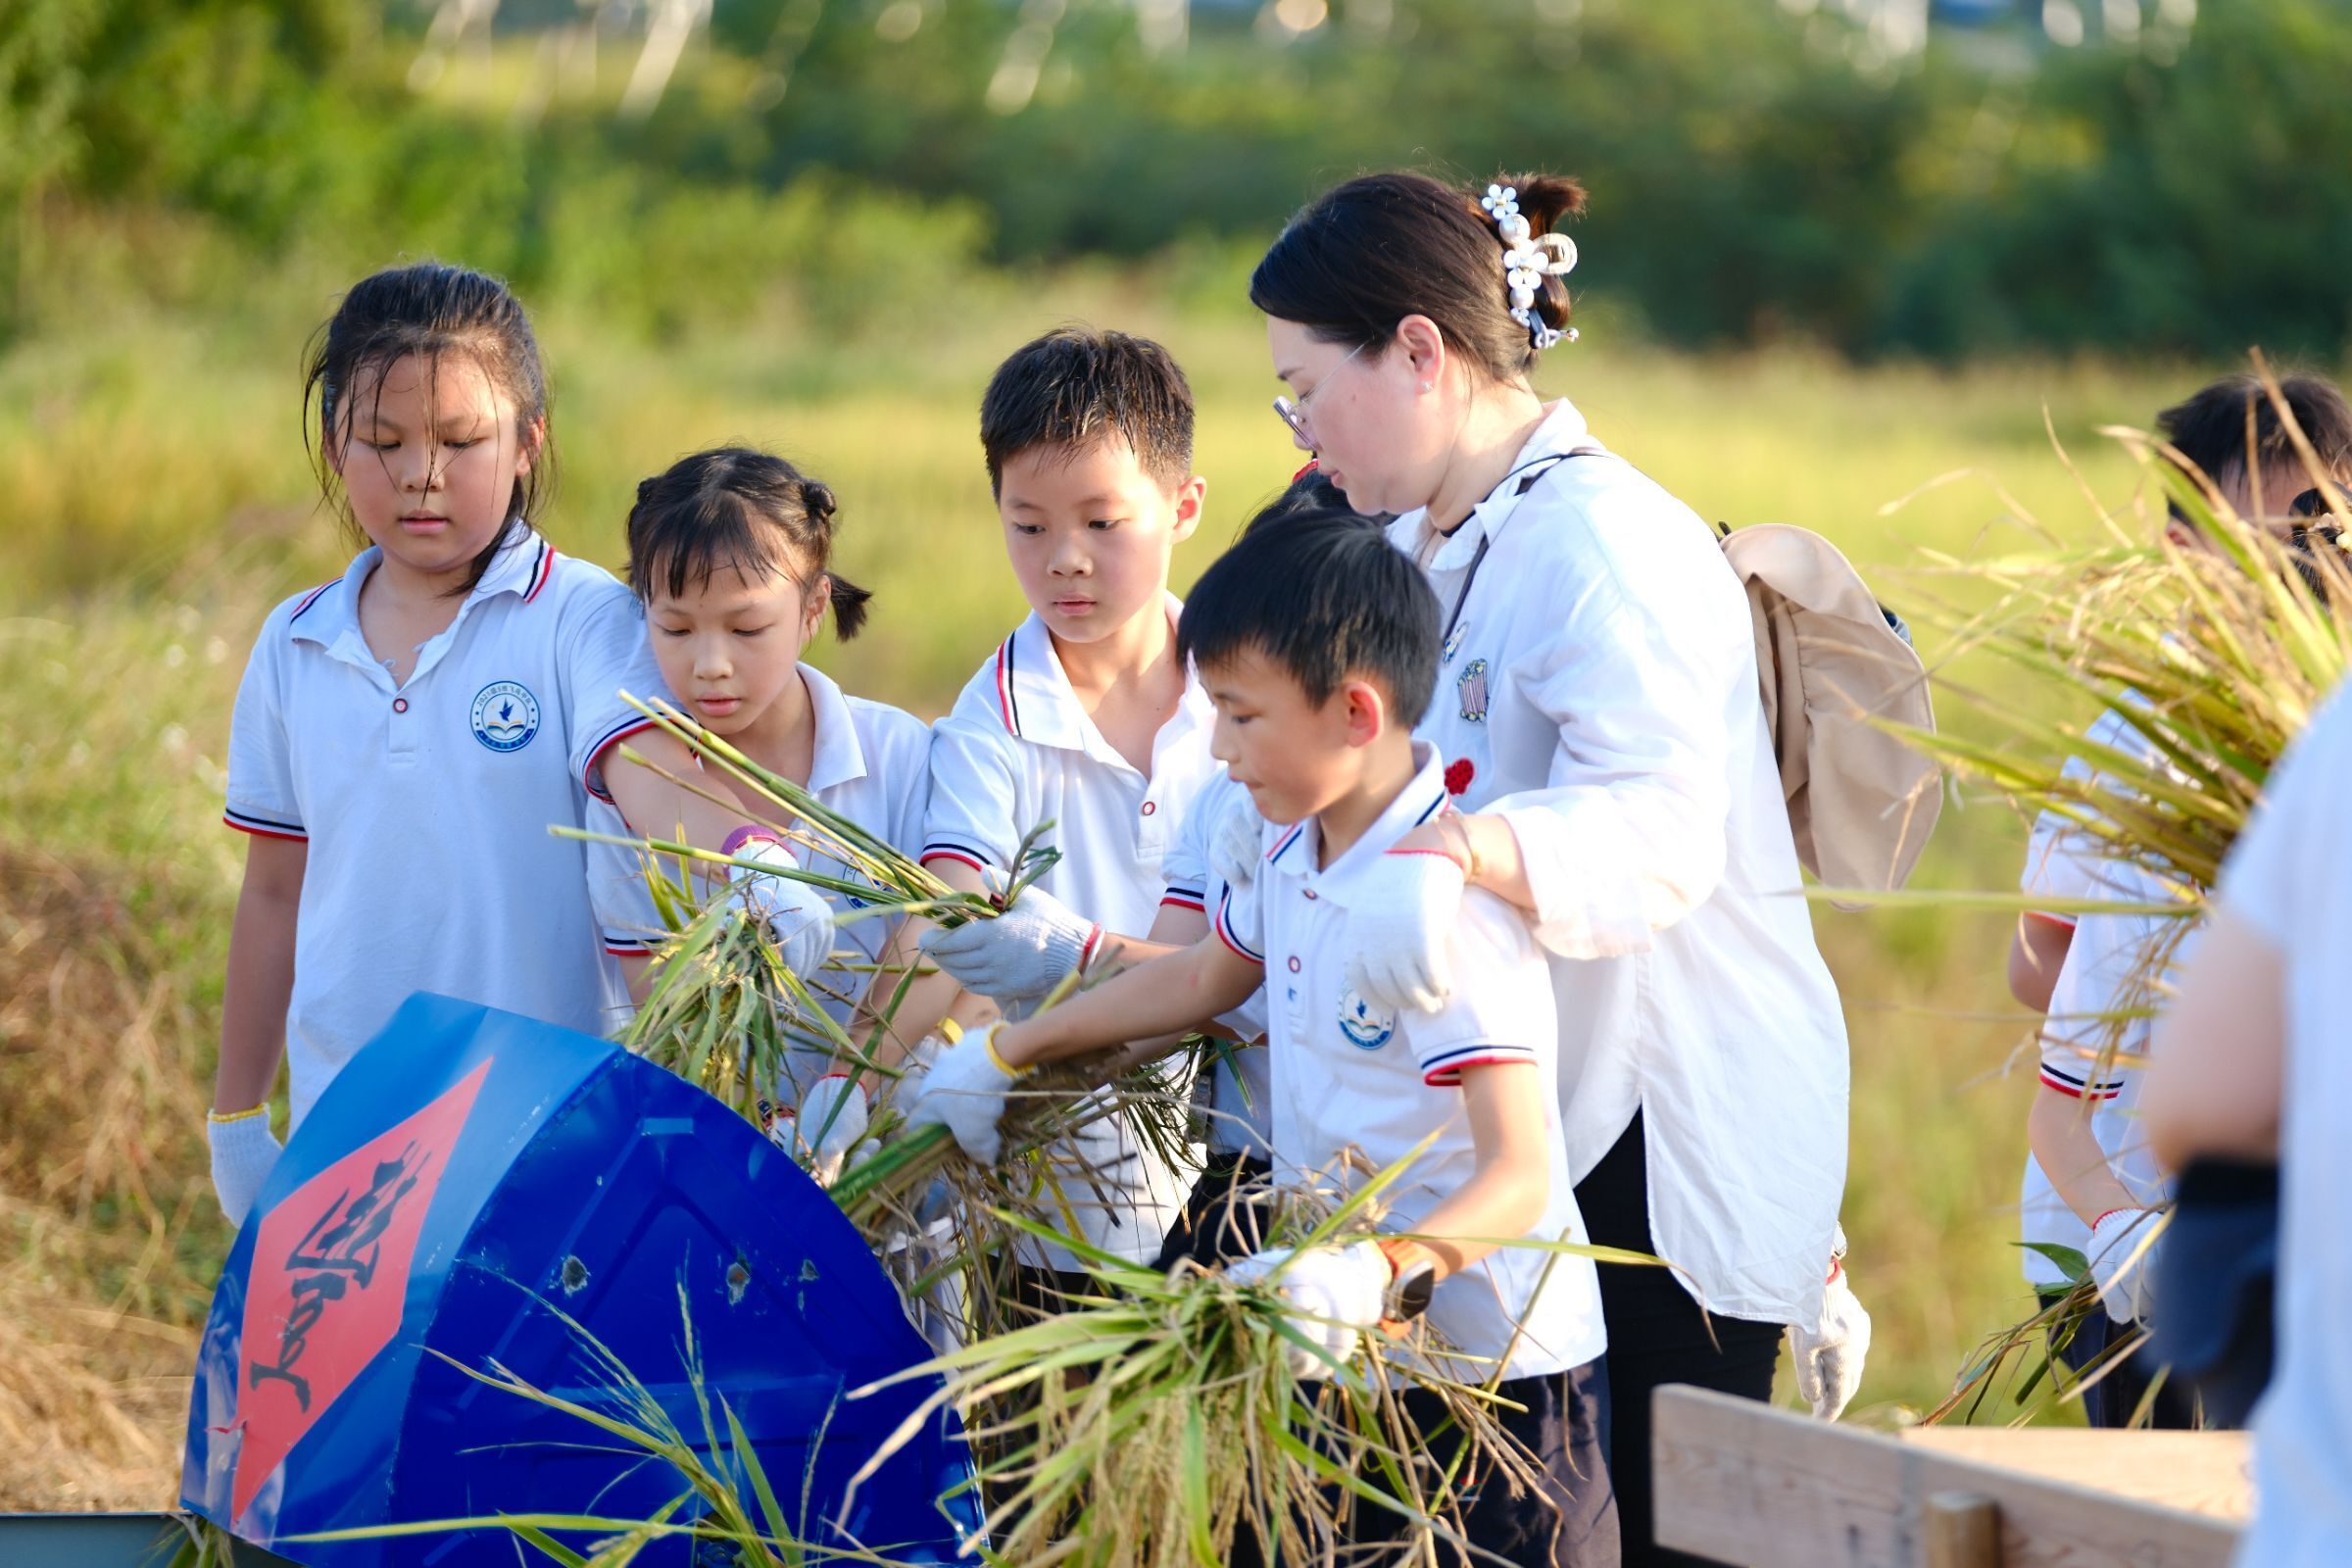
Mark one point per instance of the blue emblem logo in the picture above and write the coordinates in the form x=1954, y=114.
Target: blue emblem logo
x=1366, y=1027
x=1453, y=641
x=506, y=715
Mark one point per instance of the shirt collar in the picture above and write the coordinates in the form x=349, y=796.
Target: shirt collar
x=1293, y=854
x=1036, y=702
x=837, y=757
x=520, y=567
x=1562, y=431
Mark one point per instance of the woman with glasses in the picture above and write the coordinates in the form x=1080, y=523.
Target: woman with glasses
x=1599, y=704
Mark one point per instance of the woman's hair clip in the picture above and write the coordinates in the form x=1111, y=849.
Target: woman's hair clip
x=1528, y=259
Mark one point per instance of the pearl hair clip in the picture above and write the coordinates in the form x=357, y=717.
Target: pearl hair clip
x=1528, y=259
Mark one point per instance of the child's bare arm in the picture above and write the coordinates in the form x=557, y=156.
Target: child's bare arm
x=261, y=972
x=1180, y=991
x=2060, y=1134
x=2035, y=954
x=1506, y=1195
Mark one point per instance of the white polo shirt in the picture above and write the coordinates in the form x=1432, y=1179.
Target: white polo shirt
x=1241, y=1095
x=427, y=806
x=1598, y=690
x=2290, y=877
x=1018, y=750
x=1350, y=1078
x=871, y=763
x=2105, y=972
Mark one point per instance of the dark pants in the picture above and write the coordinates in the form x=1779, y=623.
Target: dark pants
x=1217, y=1226
x=1657, y=1335
x=2123, y=1385
x=1567, y=1520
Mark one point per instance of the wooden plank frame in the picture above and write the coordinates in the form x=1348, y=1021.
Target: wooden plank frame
x=1747, y=1484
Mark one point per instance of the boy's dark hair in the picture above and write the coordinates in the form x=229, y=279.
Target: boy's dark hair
x=739, y=508
x=1307, y=493
x=1075, y=386
x=1363, y=256
x=429, y=310
x=2209, y=429
x=1326, y=596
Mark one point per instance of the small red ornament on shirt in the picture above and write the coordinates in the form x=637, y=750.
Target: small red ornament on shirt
x=1458, y=773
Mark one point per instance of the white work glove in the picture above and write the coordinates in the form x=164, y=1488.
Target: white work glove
x=795, y=915
x=1400, y=927
x=1829, y=1357
x=832, y=1113
x=1237, y=840
x=1019, y=955
x=2122, y=1261
x=243, y=1154
x=963, y=1091
x=1337, y=1294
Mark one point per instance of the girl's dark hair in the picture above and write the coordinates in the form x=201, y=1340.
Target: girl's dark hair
x=741, y=507
x=2210, y=428
x=429, y=310
x=1363, y=256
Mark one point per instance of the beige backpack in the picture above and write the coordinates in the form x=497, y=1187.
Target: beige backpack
x=1831, y=661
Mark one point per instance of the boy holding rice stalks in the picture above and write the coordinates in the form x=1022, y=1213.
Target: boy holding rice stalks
x=2090, y=1185
x=1084, y=718
x=1318, y=644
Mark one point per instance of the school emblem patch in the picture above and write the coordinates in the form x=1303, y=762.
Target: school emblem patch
x=1472, y=690
x=506, y=715
x=1367, y=1028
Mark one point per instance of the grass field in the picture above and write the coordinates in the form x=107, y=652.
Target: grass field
x=161, y=502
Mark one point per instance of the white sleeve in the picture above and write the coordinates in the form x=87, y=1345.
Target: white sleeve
x=2073, y=1033
x=906, y=757
x=1627, y=836
x=1501, y=1008
x=1184, y=867
x=260, y=792
x=628, y=922
x=2275, y=878
x=1240, y=923
x=605, y=653
x=974, y=808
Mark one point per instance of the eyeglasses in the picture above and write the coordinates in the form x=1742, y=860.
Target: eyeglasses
x=1294, y=415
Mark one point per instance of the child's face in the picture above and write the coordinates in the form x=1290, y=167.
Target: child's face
x=429, y=451
x=729, y=646
x=1090, y=534
x=1296, y=758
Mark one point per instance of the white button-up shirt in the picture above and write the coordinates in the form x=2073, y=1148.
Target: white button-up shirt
x=427, y=804
x=1241, y=1082
x=1350, y=1079
x=1019, y=751
x=871, y=762
x=1598, y=690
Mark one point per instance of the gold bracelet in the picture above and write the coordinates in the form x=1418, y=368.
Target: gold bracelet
x=222, y=1118
x=988, y=1043
x=1461, y=826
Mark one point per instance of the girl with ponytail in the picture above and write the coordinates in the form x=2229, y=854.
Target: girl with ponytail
x=1598, y=705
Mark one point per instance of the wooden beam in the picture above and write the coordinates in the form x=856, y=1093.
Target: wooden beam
x=1743, y=1483
x=2201, y=1472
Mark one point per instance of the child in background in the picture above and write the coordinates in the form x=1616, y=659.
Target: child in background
x=406, y=734
x=728, y=553
x=1085, y=717
x=2090, y=1182
x=1318, y=642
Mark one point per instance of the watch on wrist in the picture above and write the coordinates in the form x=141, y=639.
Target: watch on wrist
x=1412, y=1279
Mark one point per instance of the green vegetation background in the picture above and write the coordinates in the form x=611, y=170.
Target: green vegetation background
x=1783, y=246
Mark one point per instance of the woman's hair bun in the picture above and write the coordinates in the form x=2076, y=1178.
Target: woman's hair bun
x=1544, y=199
x=816, y=496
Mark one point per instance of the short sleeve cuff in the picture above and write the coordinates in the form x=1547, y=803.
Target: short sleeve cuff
x=263, y=823
x=1233, y=928
x=591, y=757
x=963, y=853
x=1443, y=1069
x=2079, y=1087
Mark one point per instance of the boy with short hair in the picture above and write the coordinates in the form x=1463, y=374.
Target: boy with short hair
x=1318, y=644
x=1085, y=717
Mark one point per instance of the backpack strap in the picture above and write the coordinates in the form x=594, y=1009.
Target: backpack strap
x=1527, y=474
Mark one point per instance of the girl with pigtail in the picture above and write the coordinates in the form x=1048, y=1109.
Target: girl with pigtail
x=1614, y=776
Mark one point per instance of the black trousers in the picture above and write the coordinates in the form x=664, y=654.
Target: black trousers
x=1657, y=1335
x=1216, y=1226
x=2111, y=1401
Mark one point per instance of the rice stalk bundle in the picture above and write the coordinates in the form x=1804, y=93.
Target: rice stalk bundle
x=1157, y=1422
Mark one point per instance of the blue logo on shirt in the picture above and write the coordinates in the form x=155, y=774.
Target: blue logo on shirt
x=1367, y=1028
x=506, y=715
